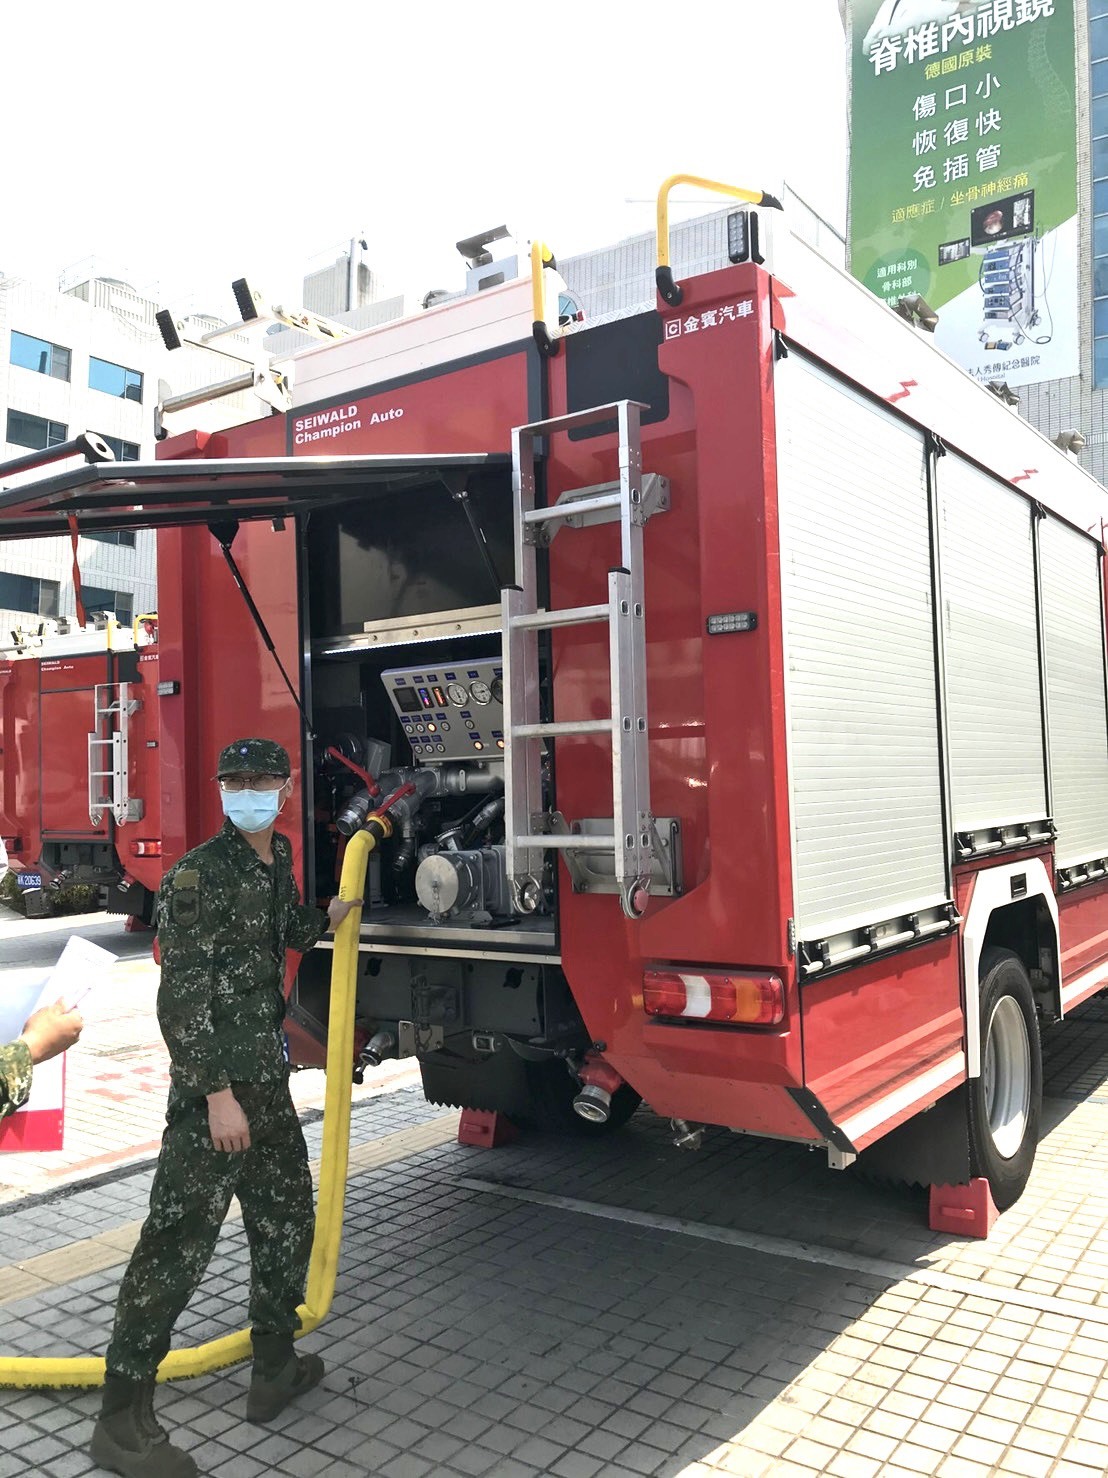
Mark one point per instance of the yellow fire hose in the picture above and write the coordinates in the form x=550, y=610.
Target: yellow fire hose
x=88, y=1370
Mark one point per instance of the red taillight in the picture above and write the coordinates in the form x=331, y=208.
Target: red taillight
x=747, y=999
x=663, y=994
x=146, y=849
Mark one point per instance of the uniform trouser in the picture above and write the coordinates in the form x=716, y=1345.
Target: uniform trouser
x=192, y=1189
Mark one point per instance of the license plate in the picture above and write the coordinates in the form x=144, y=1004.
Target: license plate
x=29, y=879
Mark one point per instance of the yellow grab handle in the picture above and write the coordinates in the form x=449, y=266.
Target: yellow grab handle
x=663, y=272
x=541, y=258
x=137, y=622
x=88, y=1370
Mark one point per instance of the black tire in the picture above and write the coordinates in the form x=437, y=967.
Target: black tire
x=1005, y=1102
x=552, y=1091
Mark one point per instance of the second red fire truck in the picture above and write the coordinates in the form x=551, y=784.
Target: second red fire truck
x=746, y=664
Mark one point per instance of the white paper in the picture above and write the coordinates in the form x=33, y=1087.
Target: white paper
x=81, y=967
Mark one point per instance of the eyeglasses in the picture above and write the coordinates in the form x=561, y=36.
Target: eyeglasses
x=251, y=782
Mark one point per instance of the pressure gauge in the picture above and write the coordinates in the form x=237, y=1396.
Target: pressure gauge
x=498, y=690
x=457, y=695
x=480, y=693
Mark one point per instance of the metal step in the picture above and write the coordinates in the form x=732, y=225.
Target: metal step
x=573, y=842
x=569, y=509
x=600, y=503
x=569, y=726
x=543, y=620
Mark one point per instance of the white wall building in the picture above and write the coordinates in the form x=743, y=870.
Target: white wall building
x=90, y=359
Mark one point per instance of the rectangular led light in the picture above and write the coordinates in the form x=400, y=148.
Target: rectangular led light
x=729, y=621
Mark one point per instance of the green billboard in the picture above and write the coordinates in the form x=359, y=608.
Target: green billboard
x=963, y=175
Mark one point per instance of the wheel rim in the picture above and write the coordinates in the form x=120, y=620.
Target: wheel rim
x=1007, y=1075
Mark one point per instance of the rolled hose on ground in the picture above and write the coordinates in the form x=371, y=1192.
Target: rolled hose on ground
x=88, y=1370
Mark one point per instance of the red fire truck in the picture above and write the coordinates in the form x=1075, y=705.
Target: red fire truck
x=80, y=792
x=747, y=663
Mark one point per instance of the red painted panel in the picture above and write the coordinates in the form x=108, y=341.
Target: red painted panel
x=471, y=409
x=19, y=784
x=875, y=1026
x=67, y=721
x=144, y=776
x=229, y=684
x=57, y=673
x=1083, y=924
x=715, y=719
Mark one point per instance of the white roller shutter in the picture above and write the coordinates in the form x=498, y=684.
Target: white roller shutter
x=1074, y=646
x=859, y=653
x=994, y=708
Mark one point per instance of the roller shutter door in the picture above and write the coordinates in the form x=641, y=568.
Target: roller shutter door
x=990, y=635
x=860, y=656
x=1074, y=649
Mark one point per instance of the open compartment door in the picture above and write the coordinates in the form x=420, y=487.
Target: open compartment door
x=153, y=495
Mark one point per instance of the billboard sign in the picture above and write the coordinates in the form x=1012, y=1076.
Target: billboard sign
x=963, y=175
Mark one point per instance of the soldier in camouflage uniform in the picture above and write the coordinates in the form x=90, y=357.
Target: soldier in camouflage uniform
x=49, y=1031
x=227, y=912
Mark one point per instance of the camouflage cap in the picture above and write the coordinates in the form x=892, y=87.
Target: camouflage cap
x=254, y=757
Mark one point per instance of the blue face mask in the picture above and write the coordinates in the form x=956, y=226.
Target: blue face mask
x=251, y=810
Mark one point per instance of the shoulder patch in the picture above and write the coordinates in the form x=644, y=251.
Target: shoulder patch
x=184, y=901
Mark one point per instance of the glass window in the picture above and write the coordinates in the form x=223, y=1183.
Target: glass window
x=35, y=432
x=114, y=536
x=1100, y=277
x=1100, y=317
x=1100, y=159
x=1100, y=78
x=40, y=355
x=120, y=602
x=1098, y=40
x=1100, y=236
x=1100, y=361
x=28, y=593
x=125, y=451
x=1097, y=8
x=1100, y=117
x=1100, y=198
x=114, y=379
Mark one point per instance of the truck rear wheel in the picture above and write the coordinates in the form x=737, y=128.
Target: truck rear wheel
x=1005, y=1102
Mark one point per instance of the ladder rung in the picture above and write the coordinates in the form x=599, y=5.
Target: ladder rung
x=577, y=843
x=570, y=616
x=572, y=507
x=570, y=726
x=579, y=418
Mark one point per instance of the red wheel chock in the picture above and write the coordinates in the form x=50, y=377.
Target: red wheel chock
x=965, y=1210
x=485, y=1129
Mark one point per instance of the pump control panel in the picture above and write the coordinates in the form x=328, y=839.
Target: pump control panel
x=450, y=713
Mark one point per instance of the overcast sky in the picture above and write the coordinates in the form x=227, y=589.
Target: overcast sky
x=183, y=146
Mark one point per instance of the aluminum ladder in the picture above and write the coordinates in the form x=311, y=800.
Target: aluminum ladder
x=629, y=837
x=108, y=755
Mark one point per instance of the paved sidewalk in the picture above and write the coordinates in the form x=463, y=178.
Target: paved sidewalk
x=618, y=1308
x=117, y=1077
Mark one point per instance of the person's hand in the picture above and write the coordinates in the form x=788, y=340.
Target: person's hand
x=227, y=1123
x=337, y=910
x=51, y=1030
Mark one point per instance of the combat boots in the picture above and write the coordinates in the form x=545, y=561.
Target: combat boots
x=279, y=1376
x=127, y=1439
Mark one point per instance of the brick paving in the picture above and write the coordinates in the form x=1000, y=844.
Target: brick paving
x=617, y=1308
x=118, y=1076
